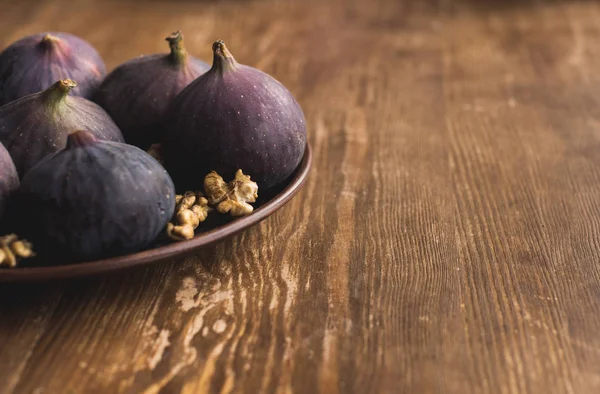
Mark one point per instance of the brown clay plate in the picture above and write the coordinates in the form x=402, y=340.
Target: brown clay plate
x=214, y=232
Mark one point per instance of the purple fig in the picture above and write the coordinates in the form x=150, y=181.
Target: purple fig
x=35, y=62
x=94, y=199
x=233, y=117
x=37, y=125
x=9, y=179
x=137, y=93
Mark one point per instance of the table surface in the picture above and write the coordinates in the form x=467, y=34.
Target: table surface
x=448, y=239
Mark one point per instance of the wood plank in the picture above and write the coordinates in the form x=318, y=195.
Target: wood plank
x=447, y=240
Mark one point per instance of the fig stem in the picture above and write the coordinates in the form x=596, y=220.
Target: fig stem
x=80, y=138
x=57, y=93
x=223, y=60
x=178, y=51
x=49, y=40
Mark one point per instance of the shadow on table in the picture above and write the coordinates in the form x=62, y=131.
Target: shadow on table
x=85, y=299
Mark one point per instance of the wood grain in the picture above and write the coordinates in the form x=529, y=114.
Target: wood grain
x=447, y=240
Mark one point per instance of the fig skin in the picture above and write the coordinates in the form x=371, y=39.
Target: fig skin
x=36, y=125
x=234, y=117
x=137, y=93
x=9, y=179
x=35, y=62
x=94, y=199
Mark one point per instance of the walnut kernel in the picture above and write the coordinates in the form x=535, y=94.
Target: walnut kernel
x=192, y=209
x=233, y=197
x=12, y=249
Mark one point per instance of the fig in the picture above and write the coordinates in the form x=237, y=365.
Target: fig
x=233, y=117
x=9, y=179
x=38, y=124
x=94, y=199
x=137, y=93
x=35, y=62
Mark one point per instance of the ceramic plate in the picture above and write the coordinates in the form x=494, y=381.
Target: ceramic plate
x=211, y=232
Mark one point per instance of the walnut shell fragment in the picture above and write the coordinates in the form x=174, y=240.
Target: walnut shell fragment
x=233, y=197
x=156, y=152
x=191, y=210
x=12, y=249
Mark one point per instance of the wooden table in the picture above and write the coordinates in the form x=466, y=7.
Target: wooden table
x=448, y=240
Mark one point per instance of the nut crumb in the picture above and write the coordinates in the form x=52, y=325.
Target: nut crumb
x=13, y=249
x=233, y=197
x=156, y=152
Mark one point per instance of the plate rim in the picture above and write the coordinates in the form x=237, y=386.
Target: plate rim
x=174, y=250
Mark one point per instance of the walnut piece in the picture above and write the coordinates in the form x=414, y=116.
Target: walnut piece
x=233, y=197
x=12, y=249
x=191, y=210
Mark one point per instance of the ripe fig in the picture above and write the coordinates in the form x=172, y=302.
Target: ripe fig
x=137, y=93
x=9, y=179
x=37, y=125
x=94, y=199
x=33, y=63
x=233, y=117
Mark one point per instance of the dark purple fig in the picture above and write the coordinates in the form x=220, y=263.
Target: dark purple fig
x=35, y=62
x=94, y=199
x=9, y=179
x=137, y=93
x=233, y=117
x=36, y=125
